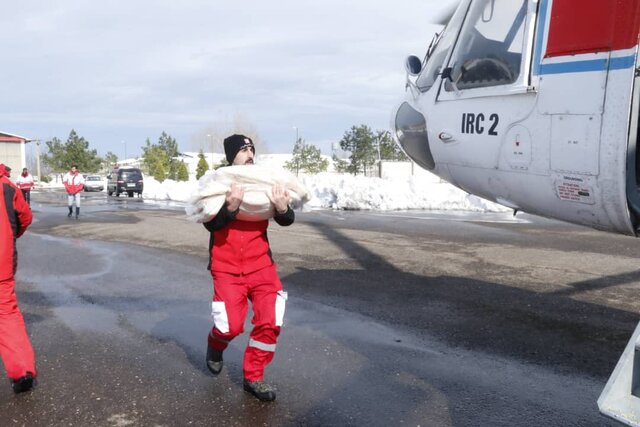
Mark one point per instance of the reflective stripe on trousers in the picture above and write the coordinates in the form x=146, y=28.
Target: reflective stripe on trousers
x=262, y=346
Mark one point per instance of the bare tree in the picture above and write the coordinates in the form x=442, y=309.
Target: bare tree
x=212, y=136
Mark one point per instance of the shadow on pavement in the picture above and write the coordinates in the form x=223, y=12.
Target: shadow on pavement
x=551, y=330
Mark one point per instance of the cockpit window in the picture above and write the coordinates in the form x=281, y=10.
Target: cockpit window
x=438, y=53
x=489, y=49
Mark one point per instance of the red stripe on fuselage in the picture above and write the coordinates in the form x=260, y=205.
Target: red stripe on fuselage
x=590, y=26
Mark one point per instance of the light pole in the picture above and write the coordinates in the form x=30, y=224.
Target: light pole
x=379, y=158
x=297, y=160
x=125, y=150
x=38, y=158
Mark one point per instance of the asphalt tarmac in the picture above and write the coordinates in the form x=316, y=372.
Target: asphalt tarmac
x=402, y=318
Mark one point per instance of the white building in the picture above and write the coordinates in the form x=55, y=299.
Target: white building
x=13, y=151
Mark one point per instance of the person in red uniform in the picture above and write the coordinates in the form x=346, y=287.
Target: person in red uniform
x=74, y=183
x=243, y=270
x=15, y=347
x=25, y=184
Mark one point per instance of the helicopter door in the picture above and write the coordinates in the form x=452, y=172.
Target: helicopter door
x=485, y=86
x=633, y=151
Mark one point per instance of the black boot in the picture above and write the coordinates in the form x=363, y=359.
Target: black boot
x=260, y=389
x=22, y=384
x=77, y=212
x=214, y=360
x=70, y=211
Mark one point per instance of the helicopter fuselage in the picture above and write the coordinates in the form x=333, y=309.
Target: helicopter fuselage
x=534, y=105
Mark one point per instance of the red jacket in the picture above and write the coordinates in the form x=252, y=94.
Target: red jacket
x=15, y=217
x=73, y=182
x=25, y=182
x=241, y=247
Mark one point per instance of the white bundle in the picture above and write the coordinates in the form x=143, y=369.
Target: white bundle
x=256, y=181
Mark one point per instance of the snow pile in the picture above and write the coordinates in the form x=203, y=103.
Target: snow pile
x=344, y=191
x=328, y=190
x=178, y=191
x=52, y=184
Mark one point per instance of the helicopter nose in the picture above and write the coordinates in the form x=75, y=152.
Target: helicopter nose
x=410, y=129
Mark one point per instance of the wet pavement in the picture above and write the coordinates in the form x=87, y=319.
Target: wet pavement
x=432, y=319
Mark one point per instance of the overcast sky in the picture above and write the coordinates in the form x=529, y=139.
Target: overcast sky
x=126, y=70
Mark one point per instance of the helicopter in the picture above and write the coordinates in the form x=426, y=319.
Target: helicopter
x=535, y=105
x=532, y=104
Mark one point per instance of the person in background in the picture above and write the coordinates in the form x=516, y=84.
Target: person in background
x=243, y=270
x=74, y=183
x=25, y=184
x=15, y=347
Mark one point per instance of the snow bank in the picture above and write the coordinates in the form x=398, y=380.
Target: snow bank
x=344, y=191
x=340, y=191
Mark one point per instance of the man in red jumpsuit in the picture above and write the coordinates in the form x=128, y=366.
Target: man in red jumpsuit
x=242, y=269
x=15, y=347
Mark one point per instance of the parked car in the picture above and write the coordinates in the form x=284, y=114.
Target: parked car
x=93, y=183
x=125, y=180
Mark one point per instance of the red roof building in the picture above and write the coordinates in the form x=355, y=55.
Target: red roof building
x=13, y=152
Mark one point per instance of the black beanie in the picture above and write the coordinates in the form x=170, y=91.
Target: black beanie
x=234, y=143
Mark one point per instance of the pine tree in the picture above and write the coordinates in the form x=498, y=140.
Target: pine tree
x=173, y=169
x=158, y=172
x=165, y=152
x=340, y=165
x=183, y=173
x=203, y=165
x=389, y=150
x=74, y=151
x=306, y=158
x=110, y=159
x=359, y=141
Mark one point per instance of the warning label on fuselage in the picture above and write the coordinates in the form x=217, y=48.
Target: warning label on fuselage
x=574, y=189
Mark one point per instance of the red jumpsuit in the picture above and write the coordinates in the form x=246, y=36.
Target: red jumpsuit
x=15, y=347
x=242, y=269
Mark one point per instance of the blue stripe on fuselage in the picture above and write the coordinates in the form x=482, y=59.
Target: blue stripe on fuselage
x=588, y=65
x=574, y=66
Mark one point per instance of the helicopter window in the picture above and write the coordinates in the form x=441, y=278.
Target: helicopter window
x=438, y=53
x=489, y=49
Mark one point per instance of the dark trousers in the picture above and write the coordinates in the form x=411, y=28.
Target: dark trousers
x=27, y=195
